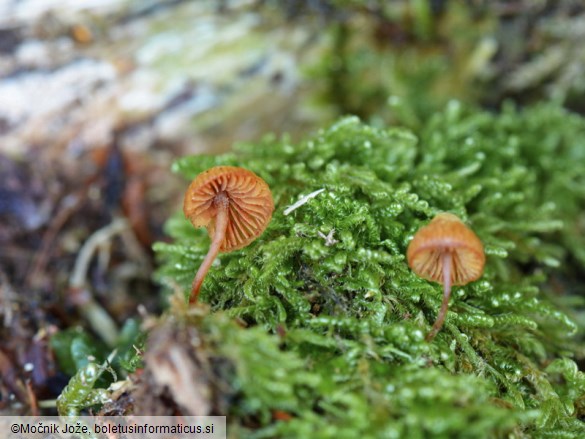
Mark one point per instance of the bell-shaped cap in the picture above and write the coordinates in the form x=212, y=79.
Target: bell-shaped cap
x=250, y=204
x=446, y=233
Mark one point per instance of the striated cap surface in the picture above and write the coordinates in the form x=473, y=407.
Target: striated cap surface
x=250, y=204
x=446, y=233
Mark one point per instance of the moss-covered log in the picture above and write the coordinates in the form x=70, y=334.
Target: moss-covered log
x=337, y=320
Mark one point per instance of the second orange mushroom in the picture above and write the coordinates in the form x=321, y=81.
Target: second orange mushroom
x=448, y=252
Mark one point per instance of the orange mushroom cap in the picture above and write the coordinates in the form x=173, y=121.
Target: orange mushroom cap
x=446, y=233
x=250, y=204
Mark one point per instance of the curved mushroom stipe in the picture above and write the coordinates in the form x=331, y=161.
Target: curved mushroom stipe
x=221, y=223
x=234, y=204
x=448, y=252
x=447, y=261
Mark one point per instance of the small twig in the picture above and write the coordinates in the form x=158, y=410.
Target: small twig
x=79, y=276
x=329, y=239
x=97, y=316
x=302, y=201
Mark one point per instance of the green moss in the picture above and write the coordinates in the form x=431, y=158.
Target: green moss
x=417, y=53
x=331, y=278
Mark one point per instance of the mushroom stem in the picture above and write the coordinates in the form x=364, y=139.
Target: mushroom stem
x=447, y=262
x=221, y=221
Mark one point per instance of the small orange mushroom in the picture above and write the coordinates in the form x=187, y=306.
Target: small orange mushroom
x=448, y=252
x=234, y=204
